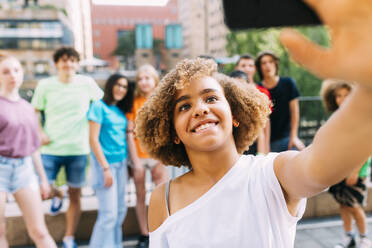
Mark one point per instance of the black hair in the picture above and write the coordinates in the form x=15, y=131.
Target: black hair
x=239, y=74
x=258, y=62
x=125, y=105
x=69, y=51
x=244, y=56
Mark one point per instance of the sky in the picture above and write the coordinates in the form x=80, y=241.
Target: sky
x=132, y=2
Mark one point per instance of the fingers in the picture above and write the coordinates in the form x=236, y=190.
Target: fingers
x=308, y=54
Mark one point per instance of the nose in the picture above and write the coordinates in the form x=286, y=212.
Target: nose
x=200, y=109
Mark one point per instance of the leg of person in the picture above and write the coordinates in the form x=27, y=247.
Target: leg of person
x=139, y=181
x=103, y=235
x=3, y=241
x=52, y=165
x=159, y=174
x=29, y=201
x=361, y=222
x=347, y=219
x=121, y=179
x=75, y=175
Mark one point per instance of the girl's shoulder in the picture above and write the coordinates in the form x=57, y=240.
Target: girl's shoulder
x=157, y=212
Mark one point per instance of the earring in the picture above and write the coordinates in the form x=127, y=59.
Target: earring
x=177, y=140
x=236, y=123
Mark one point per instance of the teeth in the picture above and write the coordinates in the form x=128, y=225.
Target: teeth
x=204, y=126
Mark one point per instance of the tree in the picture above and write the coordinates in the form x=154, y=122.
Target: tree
x=256, y=40
x=126, y=46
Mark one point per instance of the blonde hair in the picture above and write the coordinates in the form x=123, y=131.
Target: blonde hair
x=328, y=92
x=147, y=68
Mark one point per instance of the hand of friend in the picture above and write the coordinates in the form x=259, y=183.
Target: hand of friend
x=45, y=140
x=295, y=142
x=45, y=189
x=107, y=174
x=350, y=55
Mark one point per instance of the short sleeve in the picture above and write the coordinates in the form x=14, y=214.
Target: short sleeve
x=39, y=99
x=130, y=116
x=96, y=92
x=275, y=193
x=95, y=112
x=294, y=93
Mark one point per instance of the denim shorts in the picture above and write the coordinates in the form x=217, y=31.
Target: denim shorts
x=74, y=167
x=17, y=173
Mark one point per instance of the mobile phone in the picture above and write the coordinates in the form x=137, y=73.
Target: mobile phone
x=243, y=14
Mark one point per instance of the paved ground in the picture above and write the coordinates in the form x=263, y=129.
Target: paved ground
x=314, y=233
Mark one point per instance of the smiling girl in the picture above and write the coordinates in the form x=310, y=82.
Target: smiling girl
x=203, y=120
x=108, y=139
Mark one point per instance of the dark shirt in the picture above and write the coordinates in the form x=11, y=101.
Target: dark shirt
x=280, y=119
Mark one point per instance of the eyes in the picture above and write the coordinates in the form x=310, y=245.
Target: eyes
x=208, y=99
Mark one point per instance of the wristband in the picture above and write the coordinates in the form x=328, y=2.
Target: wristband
x=106, y=168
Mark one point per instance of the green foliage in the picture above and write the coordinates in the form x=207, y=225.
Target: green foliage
x=126, y=45
x=254, y=41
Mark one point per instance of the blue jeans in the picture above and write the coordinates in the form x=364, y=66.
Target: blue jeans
x=280, y=145
x=74, y=166
x=112, y=209
x=17, y=173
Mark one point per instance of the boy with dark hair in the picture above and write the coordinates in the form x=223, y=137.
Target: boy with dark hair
x=286, y=112
x=65, y=100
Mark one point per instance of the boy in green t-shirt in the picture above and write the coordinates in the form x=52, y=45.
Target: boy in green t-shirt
x=65, y=100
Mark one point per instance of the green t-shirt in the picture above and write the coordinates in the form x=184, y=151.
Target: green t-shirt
x=364, y=170
x=65, y=106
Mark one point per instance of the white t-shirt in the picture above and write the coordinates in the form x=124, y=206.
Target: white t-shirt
x=246, y=208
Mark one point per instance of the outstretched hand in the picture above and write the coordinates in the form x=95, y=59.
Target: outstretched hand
x=350, y=54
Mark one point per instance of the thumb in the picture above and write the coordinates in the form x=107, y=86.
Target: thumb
x=305, y=52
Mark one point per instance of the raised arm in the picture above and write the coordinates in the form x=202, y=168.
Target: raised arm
x=344, y=142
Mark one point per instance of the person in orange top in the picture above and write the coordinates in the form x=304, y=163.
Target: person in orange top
x=147, y=80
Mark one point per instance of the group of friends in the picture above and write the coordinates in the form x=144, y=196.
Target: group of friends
x=204, y=120
x=74, y=116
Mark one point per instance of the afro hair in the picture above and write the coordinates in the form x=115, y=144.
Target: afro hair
x=154, y=121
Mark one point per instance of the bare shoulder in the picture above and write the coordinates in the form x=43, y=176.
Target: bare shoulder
x=157, y=210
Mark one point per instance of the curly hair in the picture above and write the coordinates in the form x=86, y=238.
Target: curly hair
x=328, y=92
x=154, y=121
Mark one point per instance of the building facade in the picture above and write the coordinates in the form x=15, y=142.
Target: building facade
x=32, y=35
x=204, y=31
x=110, y=22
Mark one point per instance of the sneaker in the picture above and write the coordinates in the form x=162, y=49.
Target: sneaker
x=364, y=242
x=70, y=243
x=143, y=242
x=56, y=206
x=349, y=242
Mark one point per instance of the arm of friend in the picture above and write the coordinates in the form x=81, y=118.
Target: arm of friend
x=294, y=141
x=344, y=142
x=94, y=129
x=44, y=139
x=132, y=146
x=45, y=189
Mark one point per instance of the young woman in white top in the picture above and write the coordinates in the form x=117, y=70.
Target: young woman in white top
x=204, y=120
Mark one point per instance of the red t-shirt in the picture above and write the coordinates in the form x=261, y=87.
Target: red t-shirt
x=266, y=92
